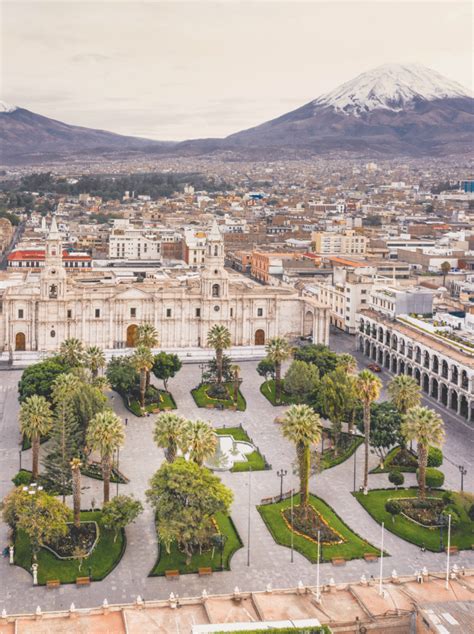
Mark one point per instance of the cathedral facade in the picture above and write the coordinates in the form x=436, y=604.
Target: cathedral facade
x=48, y=307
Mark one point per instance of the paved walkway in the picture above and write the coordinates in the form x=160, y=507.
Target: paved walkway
x=269, y=563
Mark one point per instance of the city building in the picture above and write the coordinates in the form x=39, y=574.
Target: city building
x=127, y=242
x=346, y=243
x=34, y=259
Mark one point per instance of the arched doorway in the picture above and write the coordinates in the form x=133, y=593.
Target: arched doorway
x=308, y=324
x=132, y=336
x=260, y=337
x=20, y=341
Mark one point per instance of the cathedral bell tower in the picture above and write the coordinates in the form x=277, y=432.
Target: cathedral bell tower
x=214, y=278
x=53, y=275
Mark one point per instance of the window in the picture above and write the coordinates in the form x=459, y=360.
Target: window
x=259, y=312
x=168, y=312
x=20, y=313
x=133, y=312
x=69, y=314
x=97, y=313
x=231, y=312
x=198, y=312
x=216, y=290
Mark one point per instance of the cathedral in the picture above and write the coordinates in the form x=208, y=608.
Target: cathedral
x=42, y=309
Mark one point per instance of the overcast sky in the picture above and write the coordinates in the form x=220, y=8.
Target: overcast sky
x=177, y=70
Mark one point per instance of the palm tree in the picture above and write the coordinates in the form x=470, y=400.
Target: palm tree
x=426, y=427
x=35, y=421
x=218, y=338
x=94, y=359
x=105, y=434
x=147, y=336
x=278, y=350
x=199, y=440
x=368, y=388
x=347, y=362
x=235, y=369
x=76, y=465
x=142, y=360
x=302, y=425
x=168, y=433
x=71, y=352
x=404, y=392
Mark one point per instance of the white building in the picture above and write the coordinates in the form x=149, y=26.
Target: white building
x=345, y=243
x=127, y=242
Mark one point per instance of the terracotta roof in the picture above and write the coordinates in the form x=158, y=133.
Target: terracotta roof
x=39, y=254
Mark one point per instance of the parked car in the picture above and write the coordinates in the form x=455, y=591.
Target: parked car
x=374, y=367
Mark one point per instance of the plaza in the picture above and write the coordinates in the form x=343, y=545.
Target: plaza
x=259, y=562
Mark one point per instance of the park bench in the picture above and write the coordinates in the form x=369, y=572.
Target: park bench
x=210, y=406
x=370, y=557
x=204, y=571
x=83, y=581
x=53, y=583
x=266, y=501
x=172, y=574
x=453, y=550
x=338, y=561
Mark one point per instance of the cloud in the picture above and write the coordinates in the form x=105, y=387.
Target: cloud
x=95, y=58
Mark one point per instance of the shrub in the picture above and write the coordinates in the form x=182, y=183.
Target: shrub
x=396, y=478
x=434, y=478
x=217, y=390
x=393, y=507
x=455, y=519
x=435, y=457
x=471, y=513
x=447, y=497
x=22, y=478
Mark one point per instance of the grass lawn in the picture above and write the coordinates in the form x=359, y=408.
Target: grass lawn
x=102, y=561
x=255, y=460
x=176, y=560
x=164, y=401
x=353, y=547
x=349, y=444
x=268, y=390
x=203, y=400
x=321, y=629
x=462, y=535
x=390, y=463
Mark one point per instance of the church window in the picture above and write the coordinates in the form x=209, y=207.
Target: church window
x=168, y=312
x=216, y=250
x=53, y=291
x=217, y=308
x=53, y=333
x=216, y=290
x=97, y=313
x=69, y=314
x=216, y=272
x=198, y=312
x=231, y=312
x=133, y=312
x=259, y=312
x=21, y=313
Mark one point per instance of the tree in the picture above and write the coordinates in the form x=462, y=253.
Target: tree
x=278, y=350
x=71, y=352
x=434, y=478
x=404, y=392
x=142, y=361
x=199, y=440
x=322, y=356
x=120, y=512
x=186, y=497
x=38, y=379
x=347, y=362
x=168, y=433
x=266, y=368
x=105, y=435
x=302, y=426
x=147, y=336
x=426, y=427
x=336, y=400
x=368, y=388
x=35, y=421
x=218, y=338
x=301, y=379
x=212, y=371
x=66, y=436
x=94, y=359
x=393, y=507
x=76, y=465
x=42, y=517
x=445, y=269
x=397, y=478
x=166, y=366
x=121, y=375
x=385, y=423
x=236, y=380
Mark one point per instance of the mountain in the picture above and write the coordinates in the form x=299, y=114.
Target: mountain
x=29, y=137
x=393, y=109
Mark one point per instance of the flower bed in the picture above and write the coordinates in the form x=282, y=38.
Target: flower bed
x=155, y=401
x=202, y=398
x=307, y=524
x=78, y=543
x=424, y=512
x=94, y=470
x=268, y=390
x=348, y=443
x=398, y=459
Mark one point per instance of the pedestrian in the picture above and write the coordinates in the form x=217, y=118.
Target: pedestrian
x=126, y=422
x=423, y=549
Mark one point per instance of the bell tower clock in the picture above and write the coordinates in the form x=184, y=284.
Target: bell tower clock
x=214, y=278
x=53, y=275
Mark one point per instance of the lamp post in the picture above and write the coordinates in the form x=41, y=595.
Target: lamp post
x=441, y=524
x=202, y=367
x=19, y=456
x=117, y=475
x=248, y=526
x=462, y=471
x=281, y=474
x=354, y=433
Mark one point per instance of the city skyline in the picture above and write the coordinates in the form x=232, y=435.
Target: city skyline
x=154, y=72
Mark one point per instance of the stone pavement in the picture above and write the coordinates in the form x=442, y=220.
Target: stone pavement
x=269, y=562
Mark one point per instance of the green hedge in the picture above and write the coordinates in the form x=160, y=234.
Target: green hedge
x=388, y=466
x=327, y=461
x=268, y=390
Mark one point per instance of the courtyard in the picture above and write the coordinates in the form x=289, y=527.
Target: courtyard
x=261, y=560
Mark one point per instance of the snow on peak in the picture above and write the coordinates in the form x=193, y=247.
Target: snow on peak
x=391, y=87
x=6, y=107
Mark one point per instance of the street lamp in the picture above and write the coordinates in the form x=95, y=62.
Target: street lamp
x=118, y=472
x=202, y=367
x=281, y=474
x=19, y=455
x=355, y=433
x=442, y=522
x=462, y=471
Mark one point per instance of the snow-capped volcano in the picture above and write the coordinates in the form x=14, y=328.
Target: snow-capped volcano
x=391, y=87
x=6, y=107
